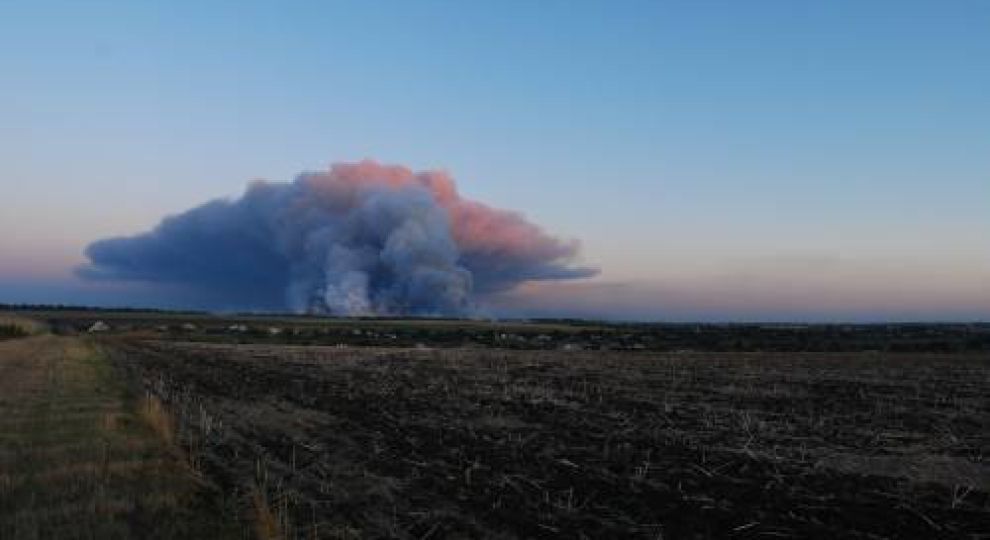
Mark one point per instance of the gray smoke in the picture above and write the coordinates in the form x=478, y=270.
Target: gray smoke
x=359, y=239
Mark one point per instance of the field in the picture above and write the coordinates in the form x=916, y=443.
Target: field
x=372, y=442
x=79, y=459
x=154, y=424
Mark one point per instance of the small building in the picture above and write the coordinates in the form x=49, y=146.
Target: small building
x=99, y=326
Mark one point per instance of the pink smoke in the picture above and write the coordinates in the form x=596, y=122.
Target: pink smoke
x=477, y=228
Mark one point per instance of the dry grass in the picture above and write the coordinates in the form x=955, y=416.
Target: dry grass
x=76, y=459
x=266, y=524
x=13, y=326
x=156, y=417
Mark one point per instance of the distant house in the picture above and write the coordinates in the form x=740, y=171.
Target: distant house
x=189, y=327
x=99, y=326
x=274, y=331
x=237, y=328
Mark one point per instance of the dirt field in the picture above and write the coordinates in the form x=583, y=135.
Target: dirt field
x=77, y=460
x=371, y=443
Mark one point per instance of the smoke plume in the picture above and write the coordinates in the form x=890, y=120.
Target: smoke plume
x=359, y=239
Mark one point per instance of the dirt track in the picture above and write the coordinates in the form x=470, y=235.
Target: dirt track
x=75, y=460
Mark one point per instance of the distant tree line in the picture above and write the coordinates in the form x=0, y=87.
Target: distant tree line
x=72, y=307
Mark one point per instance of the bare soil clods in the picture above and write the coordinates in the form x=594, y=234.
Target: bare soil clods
x=343, y=443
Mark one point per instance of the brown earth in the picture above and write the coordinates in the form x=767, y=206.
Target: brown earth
x=372, y=443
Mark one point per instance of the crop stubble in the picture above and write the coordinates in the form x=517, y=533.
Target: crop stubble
x=366, y=442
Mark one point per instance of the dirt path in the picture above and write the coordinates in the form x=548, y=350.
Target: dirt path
x=76, y=457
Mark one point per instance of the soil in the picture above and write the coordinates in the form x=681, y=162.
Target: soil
x=487, y=443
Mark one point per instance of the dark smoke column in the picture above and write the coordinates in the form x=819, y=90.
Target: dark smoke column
x=359, y=239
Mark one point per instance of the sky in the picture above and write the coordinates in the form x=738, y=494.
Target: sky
x=718, y=161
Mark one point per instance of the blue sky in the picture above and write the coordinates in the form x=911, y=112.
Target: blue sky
x=718, y=160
